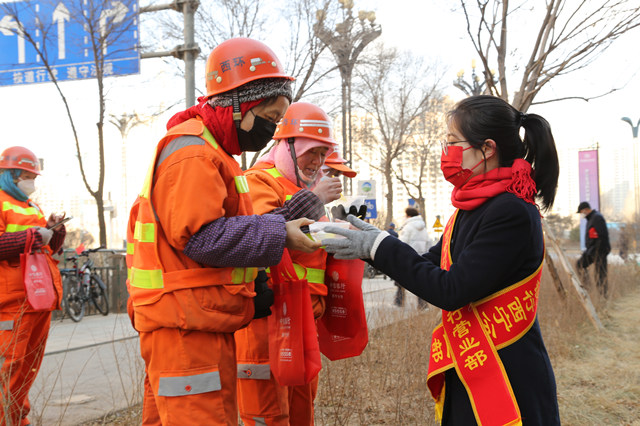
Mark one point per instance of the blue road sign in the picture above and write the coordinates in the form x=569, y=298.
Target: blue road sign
x=372, y=212
x=60, y=31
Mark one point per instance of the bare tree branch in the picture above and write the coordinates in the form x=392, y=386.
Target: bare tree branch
x=570, y=36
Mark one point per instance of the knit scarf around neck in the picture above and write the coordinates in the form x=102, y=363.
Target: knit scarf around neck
x=515, y=179
x=218, y=120
x=7, y=185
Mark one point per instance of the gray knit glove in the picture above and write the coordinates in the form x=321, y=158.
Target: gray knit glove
x=361, y=244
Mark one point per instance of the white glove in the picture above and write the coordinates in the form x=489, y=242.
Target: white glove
x=360, y=244
x=46, y=235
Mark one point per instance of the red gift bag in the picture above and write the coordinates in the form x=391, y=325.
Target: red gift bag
x=294, y=353
x=342, y=330
x=38, y=283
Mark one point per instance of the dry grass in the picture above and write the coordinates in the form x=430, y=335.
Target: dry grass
x=598, y=373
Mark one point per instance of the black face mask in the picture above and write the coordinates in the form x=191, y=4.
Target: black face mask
x=259, y=135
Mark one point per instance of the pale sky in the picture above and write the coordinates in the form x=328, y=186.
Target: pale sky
x=33, y=115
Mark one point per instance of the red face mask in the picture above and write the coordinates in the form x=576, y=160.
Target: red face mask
x=451, y=166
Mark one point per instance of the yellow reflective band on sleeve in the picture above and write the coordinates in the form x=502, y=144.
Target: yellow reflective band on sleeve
x=12, y=227
x=243, y=275
x=129, y=274
x=250, y=274
x=207, y=136
x=144, y=232
x=315, y=276
x=273, y=172
x=146, y=278
x=130, y=248
x=288, y=197
x=28, y=211
x=241, y=184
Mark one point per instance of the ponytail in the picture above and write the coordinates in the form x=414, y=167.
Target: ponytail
x=540, y=151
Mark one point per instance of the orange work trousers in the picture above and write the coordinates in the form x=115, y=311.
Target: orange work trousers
x=190, y=378
x=23, y=337
x=262, y=401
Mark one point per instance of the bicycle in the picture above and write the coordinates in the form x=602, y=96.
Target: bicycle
x=80, y=285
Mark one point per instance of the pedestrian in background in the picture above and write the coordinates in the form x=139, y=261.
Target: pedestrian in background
x=303, y=134
x=194, y=244
x=414, y=233
x=392, y=230
x=487, y=363
x=596, y=238
x=23, y=329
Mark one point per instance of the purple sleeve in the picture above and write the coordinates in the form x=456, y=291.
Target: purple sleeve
x=303, y=203
x=239, y=241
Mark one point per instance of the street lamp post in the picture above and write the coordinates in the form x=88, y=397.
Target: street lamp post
x=346, y=42
x=636, y=184
x=476, y=87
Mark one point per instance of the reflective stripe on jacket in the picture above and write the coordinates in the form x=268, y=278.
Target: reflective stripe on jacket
x=16, y=216
x=157, y=268
x=270, y=190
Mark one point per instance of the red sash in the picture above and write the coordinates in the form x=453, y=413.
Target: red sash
x=468, y=340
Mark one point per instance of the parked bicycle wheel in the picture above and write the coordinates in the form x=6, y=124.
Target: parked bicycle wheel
x=98, y=295
x=73, y=300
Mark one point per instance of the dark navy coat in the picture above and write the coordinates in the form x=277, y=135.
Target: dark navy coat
x=492, y=247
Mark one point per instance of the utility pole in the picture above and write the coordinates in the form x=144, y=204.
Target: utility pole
x=187, y=51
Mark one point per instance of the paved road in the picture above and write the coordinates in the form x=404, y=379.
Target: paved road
x=93, y=367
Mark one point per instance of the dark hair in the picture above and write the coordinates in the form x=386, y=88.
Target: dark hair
x=484, y=117
x=411, y=211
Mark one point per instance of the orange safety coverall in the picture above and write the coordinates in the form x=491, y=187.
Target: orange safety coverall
x=23, y=331
x=186, y=312
x=262, y=401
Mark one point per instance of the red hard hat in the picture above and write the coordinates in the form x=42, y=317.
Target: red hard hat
x=238, y=61
x=305, y=120
x=18, y=157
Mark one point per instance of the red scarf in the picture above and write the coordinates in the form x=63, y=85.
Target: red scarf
x=219, y=121
x=515, y=179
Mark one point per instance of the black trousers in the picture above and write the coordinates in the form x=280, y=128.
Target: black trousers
x=600, y=261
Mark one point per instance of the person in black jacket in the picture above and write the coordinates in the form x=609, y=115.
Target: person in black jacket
x=597, y=244
x=492, y=247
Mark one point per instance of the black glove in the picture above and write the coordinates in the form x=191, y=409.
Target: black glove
x=264, y=296
x=360, y=213
x=338, y=212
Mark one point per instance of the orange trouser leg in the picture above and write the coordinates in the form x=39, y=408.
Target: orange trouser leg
x=192, y=376
x=262, y=401
x=150, y=414
x=301, y=400
x=23, y=337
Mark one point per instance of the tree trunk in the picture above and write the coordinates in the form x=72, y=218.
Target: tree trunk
x=389, y=196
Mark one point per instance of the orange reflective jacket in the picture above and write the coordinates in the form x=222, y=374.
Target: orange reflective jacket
x=191, y=182
x=18, y=216
x=270, y=190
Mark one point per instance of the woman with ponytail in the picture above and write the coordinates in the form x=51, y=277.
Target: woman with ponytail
x=487, y=360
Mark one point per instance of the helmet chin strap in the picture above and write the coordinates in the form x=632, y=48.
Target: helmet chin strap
x=292, y=150
x=237, y=114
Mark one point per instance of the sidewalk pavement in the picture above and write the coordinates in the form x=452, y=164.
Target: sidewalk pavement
x=94, y=367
